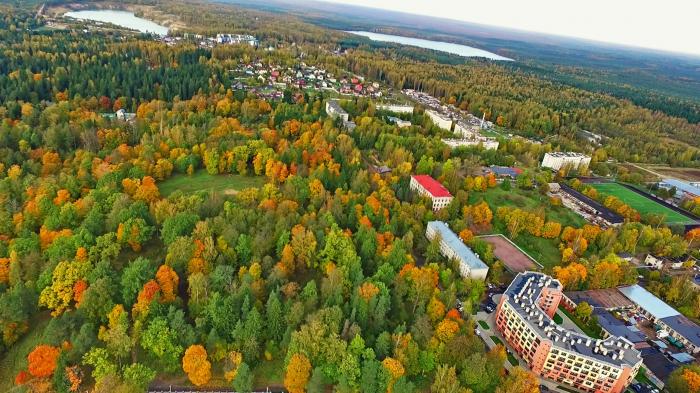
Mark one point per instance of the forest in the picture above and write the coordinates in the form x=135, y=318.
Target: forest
x=313, y=273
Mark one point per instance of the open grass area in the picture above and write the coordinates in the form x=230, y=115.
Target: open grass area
x=640, y=203
x=16, y=358
x=269, y=374
x=204, y=182
x=544, y=251
x=527, y=200
x=483, y=325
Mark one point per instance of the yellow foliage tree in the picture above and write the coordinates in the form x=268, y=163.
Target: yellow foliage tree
x=196, y=365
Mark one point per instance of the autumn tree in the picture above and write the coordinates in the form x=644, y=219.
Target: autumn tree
x=519, y=380
x=196, y=365
x=42, y=361
x=297, y=375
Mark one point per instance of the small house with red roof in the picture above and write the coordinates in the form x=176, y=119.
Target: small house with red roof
x=431, y=188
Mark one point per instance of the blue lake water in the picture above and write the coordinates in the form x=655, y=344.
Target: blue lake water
x=457, y=49
x=120, y=18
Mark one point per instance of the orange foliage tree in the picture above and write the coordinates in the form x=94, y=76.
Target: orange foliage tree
x=168, y=281
x=42, y=361
x=196, y=365
x=297, y=375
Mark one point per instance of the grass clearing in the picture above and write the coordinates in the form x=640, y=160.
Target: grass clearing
x=204, y=182
x=16, y=358
x=640, y=203
x=269, y=373
x=529, y=200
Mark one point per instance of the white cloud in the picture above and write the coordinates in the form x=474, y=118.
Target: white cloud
x=672, y=25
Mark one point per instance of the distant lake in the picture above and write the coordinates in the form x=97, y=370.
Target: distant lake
x=457, y=49
x=120, y=18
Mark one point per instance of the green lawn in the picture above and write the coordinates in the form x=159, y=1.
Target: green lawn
x=527, y=200
x=640, y=203
x=16, y=358
x=511, y=358
x=269, y=373
x=202, y=181
x=484, y=325
x=545, y=251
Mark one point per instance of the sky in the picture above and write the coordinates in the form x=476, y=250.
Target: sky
x=672, y=25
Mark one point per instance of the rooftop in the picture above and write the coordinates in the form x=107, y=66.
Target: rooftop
x=505, y=171
x=608, y=298
x=569, y=154
x=523, y=295
x=335, y=106
x=683, y=186
x=615, y=327
x=455, y=243
x=685, y=327
x=646, y=300
x=657, y=363
x=433, y=186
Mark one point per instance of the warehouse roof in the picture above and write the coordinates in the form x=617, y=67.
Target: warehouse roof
x=650, y=303
x=683, y=186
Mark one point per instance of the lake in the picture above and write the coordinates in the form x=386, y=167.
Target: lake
x=120, y=18
x=457, y=49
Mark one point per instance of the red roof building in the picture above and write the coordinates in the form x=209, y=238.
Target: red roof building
x=427, y=186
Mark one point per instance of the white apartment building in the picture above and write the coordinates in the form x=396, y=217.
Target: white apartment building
x=396, y=108
x=334, y=110
x=558, y=160
x=440, y=120
x=431, y=188
x=452, y=247
x=486, y=143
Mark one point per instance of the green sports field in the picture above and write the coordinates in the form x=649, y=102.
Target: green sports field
x=641, y=203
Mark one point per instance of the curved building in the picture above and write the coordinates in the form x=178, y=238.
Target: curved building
x=524, y=317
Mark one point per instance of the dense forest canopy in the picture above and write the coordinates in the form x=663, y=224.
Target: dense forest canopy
x=319, y=275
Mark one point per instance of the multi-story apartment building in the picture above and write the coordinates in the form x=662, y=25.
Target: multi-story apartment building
x=452, y=247
x=431, y=188
x=396, y=108
x=440, y=120
x=571, y=160
x=334, y=110
x=524, y=317
x=486, y=143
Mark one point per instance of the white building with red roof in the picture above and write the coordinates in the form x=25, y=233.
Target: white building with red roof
x=431, y=188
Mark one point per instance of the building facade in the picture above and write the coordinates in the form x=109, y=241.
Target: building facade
x=486, y=143
x=452, y=247
x=396, y=108
x=334, y=110
x=431, y=188
x=440, y=120
x=558, y=160
x=524, y=317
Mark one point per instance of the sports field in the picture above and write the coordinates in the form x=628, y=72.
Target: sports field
x=641, y=203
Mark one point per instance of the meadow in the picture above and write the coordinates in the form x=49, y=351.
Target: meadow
x=204, y=182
